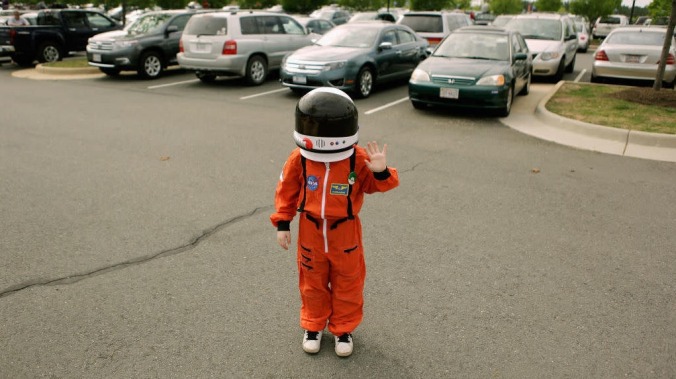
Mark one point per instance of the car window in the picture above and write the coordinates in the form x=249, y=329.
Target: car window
x=148, y=23
x=516, y=47
x=180, y=21
x=269, y=25
x=405, y=36
x=47, y=18
x=249, y=25
x=97, y=20
x=389, y=36
x=75, y=19
x=636, y=38
x=609, y=20
x=531, y=28
x=346, y=37
x=424, y=23
x=209, y=26
x=290, y=26
x=324, y=25
x=486, y=46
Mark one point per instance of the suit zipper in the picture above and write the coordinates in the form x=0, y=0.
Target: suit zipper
x=324, y=223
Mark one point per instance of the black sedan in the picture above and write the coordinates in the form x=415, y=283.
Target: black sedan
x=474, y=67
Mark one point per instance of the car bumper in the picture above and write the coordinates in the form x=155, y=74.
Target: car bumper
x=6, y=51
x=120, y=59
x=474, y=97
x=343, y=79
x=631, y=71
x=225, y=64
x=545, y=68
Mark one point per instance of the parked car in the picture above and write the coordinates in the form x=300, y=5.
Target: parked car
x=605, y=24
x=373, y=16
x=501, y=20
x=334, y=14
x=633, y=53
x=354, y=57
x=247, y=44
x=56, y=33
x=147, y=46
x=582, y=36
x=475, y=67
x=315, y=25
x=483, y=18
x=552, y=42
x=434, y=26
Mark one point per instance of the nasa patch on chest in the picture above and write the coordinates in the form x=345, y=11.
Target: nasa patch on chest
x=339, y=189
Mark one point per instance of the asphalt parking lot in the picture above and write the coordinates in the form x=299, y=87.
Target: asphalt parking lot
x=137, y=242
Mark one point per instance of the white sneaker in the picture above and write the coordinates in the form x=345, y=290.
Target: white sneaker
x=344, y=345
x=312, y=341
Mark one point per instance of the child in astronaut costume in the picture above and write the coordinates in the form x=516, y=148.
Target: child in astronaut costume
x=325, y=179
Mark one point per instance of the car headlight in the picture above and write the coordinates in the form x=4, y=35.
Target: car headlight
x=493, y=80
x=547, y=56
x=334, y=66
x=123, y=44
x=419, y=75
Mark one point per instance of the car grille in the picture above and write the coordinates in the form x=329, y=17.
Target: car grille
x=455, y=80
x=303, y=67
x=101, y=45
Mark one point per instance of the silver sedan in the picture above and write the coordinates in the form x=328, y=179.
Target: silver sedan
x=633, y=53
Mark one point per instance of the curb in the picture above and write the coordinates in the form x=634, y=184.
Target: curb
x=599, y=131
x=66, y=70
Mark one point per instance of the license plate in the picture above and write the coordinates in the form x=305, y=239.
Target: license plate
x=449, y=93
x=202, y=47
x=300, y=80
x=96, y=57
x=633, y=59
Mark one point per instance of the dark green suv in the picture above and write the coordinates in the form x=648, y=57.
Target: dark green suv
x=147, y=46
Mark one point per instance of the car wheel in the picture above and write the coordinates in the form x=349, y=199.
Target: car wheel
x=571, y=66
x=364, y=84
x=205, y=78
x=418, y=104
x=526, y=88
x=110, y=71
x=669, y=85
x=559, y=72
x=504, y=112
x=49, y=52
x=150, y=66
x=256, y=70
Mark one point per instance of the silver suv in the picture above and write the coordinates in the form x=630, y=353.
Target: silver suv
x=434, y=26
x=247, y=44
x=551, y=39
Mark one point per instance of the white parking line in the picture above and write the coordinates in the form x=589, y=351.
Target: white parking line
x=580, y=75
x=386, y=106
x=174, y=84
x=263, y=93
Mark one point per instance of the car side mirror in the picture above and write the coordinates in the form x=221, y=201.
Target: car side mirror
x=385, y=45
x=520, y=56
x=171, y=29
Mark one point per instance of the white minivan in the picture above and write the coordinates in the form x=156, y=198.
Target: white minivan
x=245, y=43
x=605, y=24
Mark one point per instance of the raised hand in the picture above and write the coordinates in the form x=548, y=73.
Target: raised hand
x=377, y=161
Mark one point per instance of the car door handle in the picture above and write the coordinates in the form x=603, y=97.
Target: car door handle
x=72, y=29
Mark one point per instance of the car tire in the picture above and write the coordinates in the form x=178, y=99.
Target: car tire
x=526, y=88
x=364, y=82
x=150, y=66
x=504, y=112
x=418, y=104
x=204, y=77
x=50, y=52
x=256, y=70
x=110, y=71
x=571, y=65
x=559, y=71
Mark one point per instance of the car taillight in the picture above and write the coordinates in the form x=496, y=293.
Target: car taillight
x=12, y=34
x=230, y=47
x=671, y=59
x=582, y=38
x=180, y=46
x=601, y=56
x=433, y=40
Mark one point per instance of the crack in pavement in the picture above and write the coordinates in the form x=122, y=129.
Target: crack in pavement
x=132, y=262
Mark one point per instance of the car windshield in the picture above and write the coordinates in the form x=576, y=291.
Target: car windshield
x=609, y=20
x=148, y=23
x=533, y=28
x=641, y=38
x=474, y=46
x=349, y=37
x=206, y=26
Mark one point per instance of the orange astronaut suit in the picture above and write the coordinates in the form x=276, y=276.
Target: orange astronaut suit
x=330, y=253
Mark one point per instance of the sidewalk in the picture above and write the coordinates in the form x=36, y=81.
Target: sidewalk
x=529, y=116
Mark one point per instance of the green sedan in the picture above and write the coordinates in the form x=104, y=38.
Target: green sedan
x=475, y=68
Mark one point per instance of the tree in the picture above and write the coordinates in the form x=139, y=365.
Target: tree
x=660, y=8
x=665, y=49
x=548, y=5
x=429, y=5
x=302, y=6
x=506, y=6
x=593, y=9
